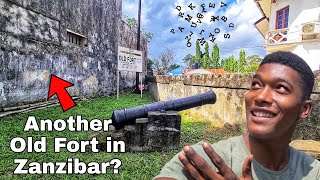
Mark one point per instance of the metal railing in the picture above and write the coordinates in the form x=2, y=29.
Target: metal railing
x=277, y=36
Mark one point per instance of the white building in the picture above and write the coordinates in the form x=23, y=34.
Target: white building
x=291, y=25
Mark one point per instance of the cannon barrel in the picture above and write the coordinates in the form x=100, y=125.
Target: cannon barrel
x=121, y=117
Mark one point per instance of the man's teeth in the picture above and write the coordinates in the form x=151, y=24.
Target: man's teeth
x=262, y=114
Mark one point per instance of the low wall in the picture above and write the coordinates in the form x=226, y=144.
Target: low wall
x=230, y=106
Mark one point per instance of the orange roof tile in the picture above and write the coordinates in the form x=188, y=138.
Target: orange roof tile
x=214, y=71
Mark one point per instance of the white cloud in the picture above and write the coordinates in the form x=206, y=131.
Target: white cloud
x=160, y=16
x=244, y=35
x=130, y=9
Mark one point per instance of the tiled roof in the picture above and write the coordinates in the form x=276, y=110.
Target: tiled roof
x=213, y=71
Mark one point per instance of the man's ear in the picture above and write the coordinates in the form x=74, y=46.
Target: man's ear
x=306, y=109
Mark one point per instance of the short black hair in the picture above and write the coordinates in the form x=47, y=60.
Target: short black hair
x=298, y=64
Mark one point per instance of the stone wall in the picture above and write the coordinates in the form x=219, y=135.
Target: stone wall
x=34, y=44
x=230, y=105
x=160, y=131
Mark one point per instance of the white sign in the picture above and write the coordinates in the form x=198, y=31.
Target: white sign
x=129, y=59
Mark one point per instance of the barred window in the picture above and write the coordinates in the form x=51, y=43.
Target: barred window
x=76, y=38
x=282, y=18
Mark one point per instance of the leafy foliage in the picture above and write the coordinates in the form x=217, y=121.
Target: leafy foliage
x=149, y=67
x=164, y=61
x=230, y=64
x=253, y=67
x=198, y=56
x=242, y=61
x=133, y=23
x=206, y=57
x=173, y=66
x=253, y=63
x=188, y=60
x=254, y=59
x=147, y=35
x=243, y=65
x=215, y=56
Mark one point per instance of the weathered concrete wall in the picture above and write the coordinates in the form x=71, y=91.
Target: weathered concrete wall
x=230, y=106
x=34, y=44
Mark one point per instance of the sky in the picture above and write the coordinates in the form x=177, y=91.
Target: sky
x=236, y=19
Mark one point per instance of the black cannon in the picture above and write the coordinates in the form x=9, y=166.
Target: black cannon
x=126, y=116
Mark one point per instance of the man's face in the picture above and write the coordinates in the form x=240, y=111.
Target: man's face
x=274, y=101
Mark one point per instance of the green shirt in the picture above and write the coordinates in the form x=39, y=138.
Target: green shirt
x=233, y=151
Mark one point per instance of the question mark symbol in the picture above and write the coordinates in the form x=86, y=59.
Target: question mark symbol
x=117, y=163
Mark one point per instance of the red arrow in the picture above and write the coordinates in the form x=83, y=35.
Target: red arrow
x=58, y=86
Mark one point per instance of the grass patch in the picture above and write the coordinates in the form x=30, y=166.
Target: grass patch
x=134, y=165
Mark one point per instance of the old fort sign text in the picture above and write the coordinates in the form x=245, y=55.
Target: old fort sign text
x=129, y=59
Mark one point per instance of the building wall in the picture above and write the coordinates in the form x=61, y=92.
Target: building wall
x=34, y=44
x=310, y=52
x=299, y=12
x=230, y=90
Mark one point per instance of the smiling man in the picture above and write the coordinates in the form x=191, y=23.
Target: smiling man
x=279, y=96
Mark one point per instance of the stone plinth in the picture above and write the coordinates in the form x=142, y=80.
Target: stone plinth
x=159, y=132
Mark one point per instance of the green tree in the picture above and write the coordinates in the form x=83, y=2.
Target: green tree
x=150, y=65
x=254, y=58
x=252, y=63
x=233, y=64
x=198, y=56
x=157, y=66
x=163, y=63
x=225, y=64
x=206, y=57
x=166, y=58
x=173, y=66
x=133, y=23
x=253, y=67
x=147, y=35
x=242, y=61
x=230, y=64
x=215, y=56
x=188, y=60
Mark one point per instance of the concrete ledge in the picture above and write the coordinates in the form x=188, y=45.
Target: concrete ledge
x=230, y=106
